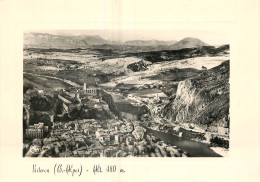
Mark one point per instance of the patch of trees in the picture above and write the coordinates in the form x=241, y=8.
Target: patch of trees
x=220, y=142
x=39, y=103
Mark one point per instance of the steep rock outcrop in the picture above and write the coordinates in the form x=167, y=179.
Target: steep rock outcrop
x=110, y=102
x=203, y=100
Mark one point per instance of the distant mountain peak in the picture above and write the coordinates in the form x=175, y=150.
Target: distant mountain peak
x=152, y=42
x=189, y=42
x=188, y=38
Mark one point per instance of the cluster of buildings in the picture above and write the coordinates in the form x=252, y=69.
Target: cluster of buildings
x=85, y=138
x=36, y=131
x=111, y=137
x=73, y=98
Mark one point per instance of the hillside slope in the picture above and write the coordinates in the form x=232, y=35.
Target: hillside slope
x=203, y=100
x=170, y=55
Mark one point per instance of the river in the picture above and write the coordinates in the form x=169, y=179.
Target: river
x=193, y=148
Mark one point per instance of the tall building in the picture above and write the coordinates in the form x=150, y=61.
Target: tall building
x=90, y=90
x=35, y=131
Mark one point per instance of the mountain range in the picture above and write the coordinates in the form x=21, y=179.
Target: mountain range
x=45, y=40
x=149, y=43
x=60, y=41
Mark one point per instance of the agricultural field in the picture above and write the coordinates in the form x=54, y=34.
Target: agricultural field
x=43, y=82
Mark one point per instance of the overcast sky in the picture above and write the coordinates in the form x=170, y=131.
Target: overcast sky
x=212, y=37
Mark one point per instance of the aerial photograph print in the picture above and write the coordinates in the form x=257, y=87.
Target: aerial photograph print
x=126, y=93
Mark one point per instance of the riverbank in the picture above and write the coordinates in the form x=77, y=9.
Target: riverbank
x=211, y=138
x=195, y=143
x=193, y=148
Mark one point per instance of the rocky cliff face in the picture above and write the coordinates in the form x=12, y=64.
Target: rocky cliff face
x=110, y=102
x=203, y=100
